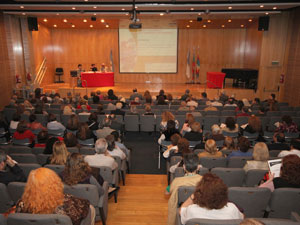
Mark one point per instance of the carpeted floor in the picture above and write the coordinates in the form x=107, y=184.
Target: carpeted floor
x=144, y=156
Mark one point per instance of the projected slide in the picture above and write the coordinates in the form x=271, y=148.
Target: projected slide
x=148, y=50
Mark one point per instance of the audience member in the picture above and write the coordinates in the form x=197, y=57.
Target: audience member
x=68, y=110
x=113, y=149
x=135, y=94
x=189, y=119
x=23, y=132
x=186, y=95
x=42, y=139
x=194, y=112
x=243, y=147
x=9, y=170
x=93, y=121
x=161, y=93
x=84, y=132
x=70, y=140
x=59, y=154
x=106, y=130
x=161, y=100
x=166, y=134
x=100, y=110
x=148, y=111
x=34, y=125
x=294, y=150
x=49, y=145
x=230, y=125
x=165, y=117
x=216, y=133
x=279, y=142
x=260, y=158
x=73, y=123
x=111, y=95
x=15, y=121
x=228, y=144
x=209, y=201
x=210, y=107
x=183, y=106
x=244, y=112
x=210, y=150
x=118, y=110
x=253, y=126
x=195, y=134
x=191, y=102
x=287, y=125
x=230, y=103
x=120, y=144
x=53, y=124
x=173, y=146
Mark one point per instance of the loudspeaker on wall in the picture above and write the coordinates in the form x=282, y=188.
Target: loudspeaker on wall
x=263, y=23
x=32, y=24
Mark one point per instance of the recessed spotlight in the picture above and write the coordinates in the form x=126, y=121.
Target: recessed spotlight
x=136, y=7
x=223, y=25
x=209, y=21
x=23, y=14
x=102, y=20
x=85, y=20
x=126, y=14
x=22, y=7
x=107, y=26
x=242, y=25
x=45, y=20
x=95, y=7
x=261, y=6
x=65, y=20
x=95, y=14
x=73, y=25
x=192, y=9
x=161, y=14
x=73, y=8
x=229, y=7
x=204, y=26
x=267, y=13
x=86, y=0
x=191, y=21
x=274, y=7
x=229, y=21
x=187, y=26
x=250, y=20
x=57, y=14
x=91, y=26
x=123, y=9
x=55, y=25
x=199, y=14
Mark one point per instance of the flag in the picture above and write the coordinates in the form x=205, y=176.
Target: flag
x=193, y=66
x=188, y=68
x=111, y=61
x=198, y=66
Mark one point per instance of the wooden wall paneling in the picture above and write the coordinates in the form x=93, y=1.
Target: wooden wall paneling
x=252, y=48
x=292, y=74
x=273, y=49
x=7, y=80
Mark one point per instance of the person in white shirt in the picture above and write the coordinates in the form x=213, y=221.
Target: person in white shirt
x=293, y=151
x=191, y=102
x=102, y=157
x=53, y=124
x=209, y=201
x=114, y=150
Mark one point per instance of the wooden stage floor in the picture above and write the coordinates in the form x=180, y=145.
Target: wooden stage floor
x=125, y=89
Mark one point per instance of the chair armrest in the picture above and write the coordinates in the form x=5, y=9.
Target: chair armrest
x=104, y=198
x=295, y=217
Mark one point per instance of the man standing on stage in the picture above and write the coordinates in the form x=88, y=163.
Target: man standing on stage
x=79, y=70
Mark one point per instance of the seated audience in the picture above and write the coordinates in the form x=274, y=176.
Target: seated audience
x=4, y=127
x=44, y=194
x=186, y=95
x=194, y=112
x=279, y=142
x=42, y=139
x=195, y=134
x=209, y=201
x=191, y=102
x=165, y=117
x=100, y=110
x=68, y=110
x=84, y=132
x=245, y=112
x=161, y=93
x=70, y=140
x=183, y=106
x=253, y=126
x=230, y=126
x=289, y=174
x=189, y=119
x=106, y=130
x=260, y=158
x=161, y=100
x=34, y=125
x=230, y=103
x=182, y=149
x=242, y=148
x=210, y=150
x=133, y=110
x=166, y=134
x=216, y=133
x=111, y=95
x=59, y=154
x=228, y=144
x=147, y=95
x=294, y=150
x=135, y=94
x=77, y=171
x=287, y=125
x=148, y=111
x=73, y=123
x=173, y=146
x=9, y=170
x=84, y=110
x=53, y=124
x=113, y=149
x=101, y=157
x=210, y=107
x=49, y=145
x=190, y=163
x=15, y=121
x=118, y=110
x=23, y=132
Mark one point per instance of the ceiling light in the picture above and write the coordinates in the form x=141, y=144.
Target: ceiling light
x=229, y=7
x=95, y=7
x=86, y=0
x=261, y=6
x=223, y=25
x=250, y=20
x=204, y=26
x=55, y=25
x=95, y=14
x=192, y=9
x=208, y=21
x=102, y=20
x=229, y=21
x=123, y=9
x=187, y=26
x=242, y=25
x=91, y=26
x=161, y=14
x=107, y=26
x=274, y=7
x=57, y=14
x=22, y=7
x=191, y=21
x=199, y=14
x=85, y=20
x=73, y=8
x=73, y=25
x=65, y=20
x=126, y=14
x=267, y=13
x=23, y=14
x=136, y=7
x=45, y=20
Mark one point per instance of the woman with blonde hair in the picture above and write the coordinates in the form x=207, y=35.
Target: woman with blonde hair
x=165, y=117
x=228, y=144
x=260, y=156
x=44, y=194
x=60, y=153
x=210, y=150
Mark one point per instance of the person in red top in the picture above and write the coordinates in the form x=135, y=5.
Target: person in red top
x=244, y=112
x=23, y=132
x=84, y=102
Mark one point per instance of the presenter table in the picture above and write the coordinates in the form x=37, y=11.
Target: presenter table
x=97, y=79
x=214, y=79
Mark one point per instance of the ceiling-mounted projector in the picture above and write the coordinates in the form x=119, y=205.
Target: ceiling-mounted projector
x=135, y=26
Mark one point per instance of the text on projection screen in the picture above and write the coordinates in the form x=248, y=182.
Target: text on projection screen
x=148, y=50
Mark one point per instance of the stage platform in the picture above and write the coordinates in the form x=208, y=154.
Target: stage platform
x=125, y=89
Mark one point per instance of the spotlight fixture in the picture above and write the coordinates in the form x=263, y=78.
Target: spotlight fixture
x=229, y=7
x=102, y=20
x=107, y=26
x=93, y=18
x=45, y=20
x=242, y=25
x=91, y=26
x=274, y=7
x=54, y=25
x=250, y=20
x=22, y=7
x=199, y=18
x=187, y=26
x=261, y=6
x=161, y=14
x=85, y=20
x=223, y=25
x=204, y=26
x=65, y=20
x=229, y=21
x=73, y=25
x=209, y=21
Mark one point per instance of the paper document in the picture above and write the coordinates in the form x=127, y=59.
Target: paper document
x=275, y=166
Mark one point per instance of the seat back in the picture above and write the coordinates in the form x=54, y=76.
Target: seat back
x=184, y=192
x=56, y=168
x=2, y=220
x=253, y=177
x=42, y=158
x=253, y=201
x=83, y=118
x=85, y=191
x=211, y=162
x=27, y=167
x=87, y=151
x=38, y=219
x=112, y=177
x=208, y=121
x=65, y=119
x=203, y=171
x=131, y=122
x=19, y=150
x=16, y=190
x=237, y=162
x=147, y=123
x=213, y=222
x=22, y=142
x=6, y=201
x=24, y=158
x=242, y=120
x=57, y=133
x=283, y=202
x=88, y=142
x=232, y=177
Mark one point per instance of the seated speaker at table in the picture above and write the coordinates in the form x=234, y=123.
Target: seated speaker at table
x=93, y=67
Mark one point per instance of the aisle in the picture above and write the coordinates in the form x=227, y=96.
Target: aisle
x=141, y=201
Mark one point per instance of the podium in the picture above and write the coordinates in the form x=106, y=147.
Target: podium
x=214, y=79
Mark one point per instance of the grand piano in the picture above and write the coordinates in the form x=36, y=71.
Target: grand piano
x=241, y=77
